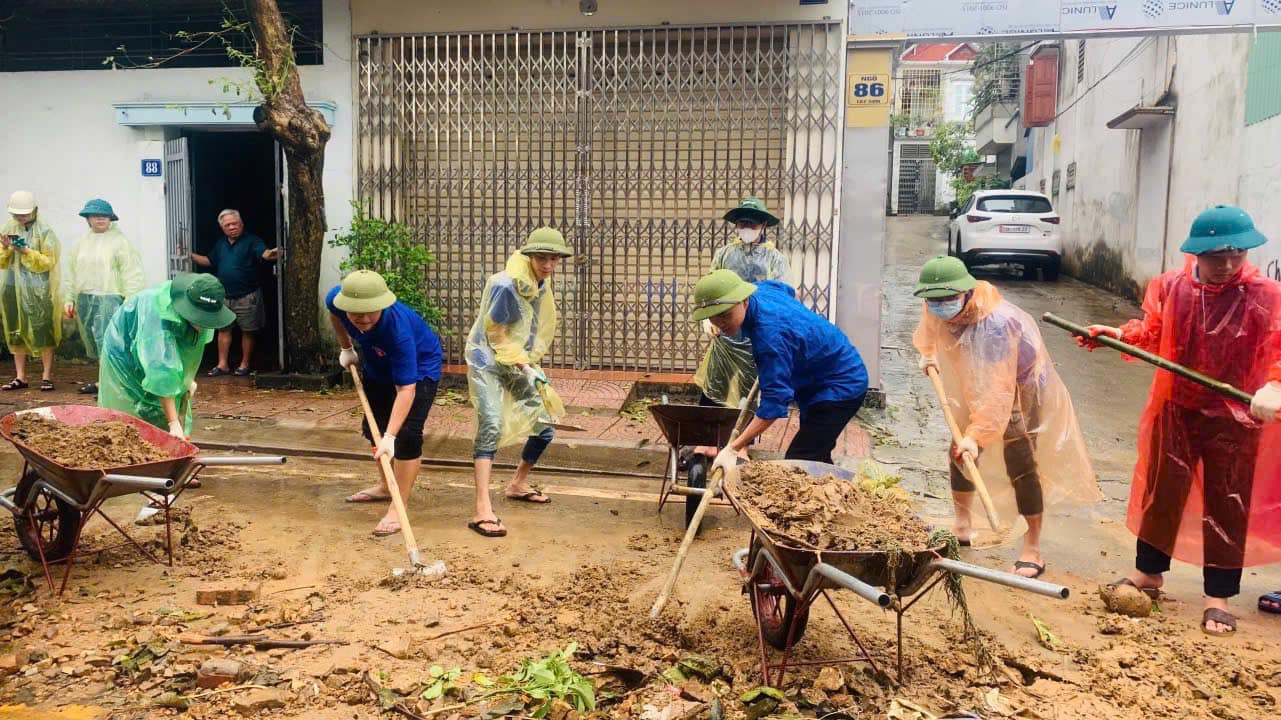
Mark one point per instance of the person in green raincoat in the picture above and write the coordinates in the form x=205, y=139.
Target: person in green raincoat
x=727, y=371
x=149, y=356
x=29, y=295
x=512, y=397
x=103, y=269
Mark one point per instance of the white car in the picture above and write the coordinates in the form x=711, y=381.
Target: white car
x=1007, y=226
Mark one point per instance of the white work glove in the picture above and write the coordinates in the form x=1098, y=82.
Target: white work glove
x=967, y=445
x=386, y=446
x=534, y=375
x=191, y=389
x=925, y=362
x=1267, y=402
x=347, y=357
x=710, y=329
x=1095, y=331
x=177, y=430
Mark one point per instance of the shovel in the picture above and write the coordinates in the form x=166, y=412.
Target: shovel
x=716, y=478
x=970, y=468
x=435, y=569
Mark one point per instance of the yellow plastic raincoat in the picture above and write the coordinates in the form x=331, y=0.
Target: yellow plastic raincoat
x=103, y=269
x=515, y=326
x=30, y=302
x=150, y=352
x=992, y=359
x=728, y=370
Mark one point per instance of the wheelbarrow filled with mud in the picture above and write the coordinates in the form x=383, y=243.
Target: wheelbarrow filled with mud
x=784, y=577
x=55, y=497
x=686, y=427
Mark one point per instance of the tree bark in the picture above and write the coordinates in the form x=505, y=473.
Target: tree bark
x=302, y=133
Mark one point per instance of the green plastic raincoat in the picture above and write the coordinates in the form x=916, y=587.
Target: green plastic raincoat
x=728, y=370
x=150, y=352
x=30, y=303
x=103, y=269
x=515, y=326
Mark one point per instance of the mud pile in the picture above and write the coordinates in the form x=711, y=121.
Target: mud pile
x=828, y=513
x=100, y=444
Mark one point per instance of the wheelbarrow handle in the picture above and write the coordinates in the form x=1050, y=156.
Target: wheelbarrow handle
x=211, y=461
x=1010, y=580
x=138, y=482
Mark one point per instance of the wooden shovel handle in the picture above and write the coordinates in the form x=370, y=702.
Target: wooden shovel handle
x=388, y=474
x=970, y=468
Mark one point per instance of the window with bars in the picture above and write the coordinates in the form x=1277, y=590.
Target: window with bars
x=920, y=95
x=82, y=34
x=997, y=75
x=1080, y=61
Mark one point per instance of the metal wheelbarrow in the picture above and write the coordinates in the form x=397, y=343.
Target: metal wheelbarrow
x=783, y=580
x=690, y=425
x=52, y=502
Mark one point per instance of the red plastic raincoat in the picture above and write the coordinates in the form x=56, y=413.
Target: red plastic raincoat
x=1207, y=486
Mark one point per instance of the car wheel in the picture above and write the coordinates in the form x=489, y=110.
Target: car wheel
x=1051, y=271
x=1029, y=272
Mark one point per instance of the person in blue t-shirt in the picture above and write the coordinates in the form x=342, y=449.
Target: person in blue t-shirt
x=400, y=357
x=234, y=259
x=800, y=358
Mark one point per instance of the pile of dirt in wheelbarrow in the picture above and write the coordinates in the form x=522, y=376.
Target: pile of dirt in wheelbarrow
x=829, y=513
x=102, y=444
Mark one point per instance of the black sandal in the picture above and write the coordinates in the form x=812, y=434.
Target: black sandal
x=477, y=526
x=46, y=385
x=1027, y=565
x=1271, y=603
x=15, y=384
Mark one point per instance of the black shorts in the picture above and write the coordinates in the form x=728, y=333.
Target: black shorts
x=409, y=441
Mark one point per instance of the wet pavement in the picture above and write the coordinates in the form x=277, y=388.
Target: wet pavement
x=911, y=439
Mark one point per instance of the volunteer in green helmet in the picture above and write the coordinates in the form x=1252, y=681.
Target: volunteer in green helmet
x=152, y=348
x=1014, y=411
x=30, y=303
x=1205, y=487
x=727, y=370
x=103, y=269
x=511, y=394
x=800, y=358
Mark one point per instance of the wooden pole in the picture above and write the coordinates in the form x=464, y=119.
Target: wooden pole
x=970, y=468
x=716, y=478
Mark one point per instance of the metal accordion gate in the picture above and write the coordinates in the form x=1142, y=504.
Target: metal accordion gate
x=633, y=142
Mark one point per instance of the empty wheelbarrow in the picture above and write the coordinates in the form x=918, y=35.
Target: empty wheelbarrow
x=52, y=502
x=684, y=427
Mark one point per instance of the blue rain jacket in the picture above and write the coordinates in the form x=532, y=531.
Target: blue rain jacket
x=800, y=356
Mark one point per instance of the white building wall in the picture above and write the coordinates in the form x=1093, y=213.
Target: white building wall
x=1260, y=189
x=61, y=141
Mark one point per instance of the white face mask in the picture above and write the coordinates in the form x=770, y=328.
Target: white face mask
x=946, y=309
x=749, y=235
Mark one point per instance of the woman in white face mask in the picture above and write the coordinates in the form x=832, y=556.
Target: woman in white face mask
x=727, y=371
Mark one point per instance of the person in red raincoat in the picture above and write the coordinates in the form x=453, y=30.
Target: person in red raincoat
x=1206, y=487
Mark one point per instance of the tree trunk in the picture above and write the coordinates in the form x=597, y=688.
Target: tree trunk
x=303, y=133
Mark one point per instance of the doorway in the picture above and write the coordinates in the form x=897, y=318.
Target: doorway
x=238, y=170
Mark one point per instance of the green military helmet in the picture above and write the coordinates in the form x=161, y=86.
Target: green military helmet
x=546, y=240
x=200, y=299
x=1222, y=227
x=752, y=208
x=98, y=206
x=718, y=291
x=364, y=291
x=944, y=276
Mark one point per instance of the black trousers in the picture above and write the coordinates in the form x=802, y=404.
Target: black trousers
x=1020, y=462
x=1219, y=582
x=821, y=425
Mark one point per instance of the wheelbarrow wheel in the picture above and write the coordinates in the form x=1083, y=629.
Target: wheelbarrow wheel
x=696, y=477
x=775, y=609
x=48, y=525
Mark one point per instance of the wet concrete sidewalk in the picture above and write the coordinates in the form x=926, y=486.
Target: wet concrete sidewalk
x=609, y=406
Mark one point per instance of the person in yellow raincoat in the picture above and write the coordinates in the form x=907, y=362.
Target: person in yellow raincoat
x=511, y=394
x=153, y=346
x=103, y=269
x=1014, y=411
x=728, y=371
x=29, y=289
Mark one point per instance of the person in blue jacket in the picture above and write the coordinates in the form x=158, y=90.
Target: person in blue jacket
x=401, y=359
x=800, y=358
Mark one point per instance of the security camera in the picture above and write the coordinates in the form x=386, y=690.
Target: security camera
x=587, y=7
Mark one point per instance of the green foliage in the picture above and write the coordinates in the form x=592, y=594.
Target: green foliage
x=442, y=681
x=951, y=150
x=390, y=250
x=996, y=76
x=552, y=678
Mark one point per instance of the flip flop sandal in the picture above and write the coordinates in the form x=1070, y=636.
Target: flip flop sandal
x=1271, y=603
x=529, y=498
x=477, y=526
x=1026, y=565
x=1151, y=592
x=15, y=384
x=46, y=385
x=217, y=372
x=242, y=372
x=385, y=529
x=1222, y=617
x=364, y=497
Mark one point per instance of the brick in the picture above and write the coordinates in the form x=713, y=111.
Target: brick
x=227, y=594
x=218, y=671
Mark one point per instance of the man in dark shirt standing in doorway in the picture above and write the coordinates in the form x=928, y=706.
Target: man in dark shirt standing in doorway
x=234, y=259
